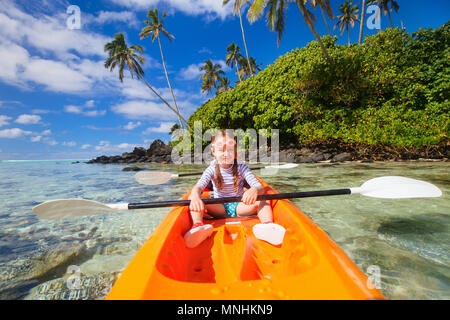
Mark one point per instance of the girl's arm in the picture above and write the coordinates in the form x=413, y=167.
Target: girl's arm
x=249, y=196
x=196, y=192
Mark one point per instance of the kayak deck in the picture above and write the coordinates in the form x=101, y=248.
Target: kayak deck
x=233, y=264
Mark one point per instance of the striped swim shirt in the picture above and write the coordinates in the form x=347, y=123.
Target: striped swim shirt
x=228, y=190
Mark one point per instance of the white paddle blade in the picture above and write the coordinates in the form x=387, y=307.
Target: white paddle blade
x=283, y=166
x=69, y=208
x=394, y=187
x=150, y=178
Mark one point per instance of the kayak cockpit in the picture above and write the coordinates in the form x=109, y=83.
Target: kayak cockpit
x=232, y=253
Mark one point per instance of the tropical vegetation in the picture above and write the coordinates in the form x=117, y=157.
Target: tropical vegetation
x=392, y=89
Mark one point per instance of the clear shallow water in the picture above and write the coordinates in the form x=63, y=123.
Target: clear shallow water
x=408, y=239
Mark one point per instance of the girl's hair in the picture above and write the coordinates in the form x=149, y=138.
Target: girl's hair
x=218, y=179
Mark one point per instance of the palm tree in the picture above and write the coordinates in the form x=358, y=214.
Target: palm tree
x=213, y=74
x=253, y=68
x=363, y=15
x=384, y=6
x=237, y=10
x=232, y=58
x=121, y=55
x=154, y=28
x=276, y=18
x=324, y=5
x=348, y=16
x=224, y=85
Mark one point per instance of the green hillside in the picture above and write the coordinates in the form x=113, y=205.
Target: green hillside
x=393, y=89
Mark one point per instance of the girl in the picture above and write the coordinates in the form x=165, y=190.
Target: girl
x=227, y=175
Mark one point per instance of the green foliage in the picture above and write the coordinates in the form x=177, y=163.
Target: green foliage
x=393, y=89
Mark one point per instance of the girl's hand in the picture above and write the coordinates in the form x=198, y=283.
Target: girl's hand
x=249, y=197
x=196, y=204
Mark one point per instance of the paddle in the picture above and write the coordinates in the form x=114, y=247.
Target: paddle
x=391, y=187
x=151, y=178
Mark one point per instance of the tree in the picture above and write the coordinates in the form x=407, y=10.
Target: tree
x=276, y=18
x=324, y=5
x=213, y=74
x=349, y=16
x=233, y=57
x=237, y=10
x=384, y=6
x=224, y=85
x=363, y=15
x=246, y=72
x=154, y=28
x=120, y=55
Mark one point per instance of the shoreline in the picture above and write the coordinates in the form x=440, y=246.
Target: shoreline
x=325, y=151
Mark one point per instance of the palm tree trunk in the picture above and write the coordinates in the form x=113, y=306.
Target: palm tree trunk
x=390, y=19
x=237, y=70
x=361, y=27
x=324, y=50
x=170, y=87
x=162, y=99
x=245, y=43
x=348, y=32
x=326, y=23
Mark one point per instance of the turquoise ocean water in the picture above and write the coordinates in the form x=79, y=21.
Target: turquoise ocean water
x=407, y=241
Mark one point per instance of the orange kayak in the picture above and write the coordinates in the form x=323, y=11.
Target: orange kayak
x=233, y=264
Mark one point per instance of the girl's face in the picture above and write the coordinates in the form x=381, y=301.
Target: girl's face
x=223, y=150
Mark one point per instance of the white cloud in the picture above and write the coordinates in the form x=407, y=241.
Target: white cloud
x=14, y=133
x=69, y=144
x=28, y=119
x=82, y=109
x=144, y=110
x=105, y=17
x=56, y=76
x=16, y=25
x=49, y=38
x=18, y=68
x=164, y=127
x=191, y=72
x=49, y=141
x=211, y=9
x=4, y=120
x=36, y=139
x=132, y=125
x=107, y=147
x=85, y=146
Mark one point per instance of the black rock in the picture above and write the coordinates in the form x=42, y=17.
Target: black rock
x=342, y=157
x=139, y=152
x=132, y=169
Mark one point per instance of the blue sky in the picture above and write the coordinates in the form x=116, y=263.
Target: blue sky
x=57, y=101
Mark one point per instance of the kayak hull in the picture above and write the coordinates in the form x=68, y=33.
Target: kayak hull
x=233, y=264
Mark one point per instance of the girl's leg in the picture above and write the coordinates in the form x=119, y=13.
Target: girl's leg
x=197, y=217
x=262, y=208
x=215, y=210
x=265, y=212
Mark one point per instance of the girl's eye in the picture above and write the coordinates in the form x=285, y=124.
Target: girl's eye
x=219, y=144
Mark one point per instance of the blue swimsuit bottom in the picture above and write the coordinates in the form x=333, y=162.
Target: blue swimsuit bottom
x=230, y=207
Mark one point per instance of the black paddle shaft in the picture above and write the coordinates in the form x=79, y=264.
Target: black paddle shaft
x=277, y=196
